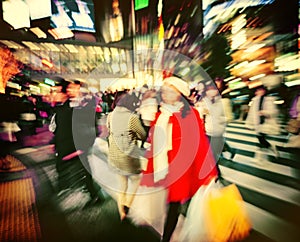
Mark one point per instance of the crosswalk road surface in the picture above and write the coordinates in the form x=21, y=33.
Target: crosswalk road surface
x=269, y=184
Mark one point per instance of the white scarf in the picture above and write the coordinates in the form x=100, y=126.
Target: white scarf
x=162, y=140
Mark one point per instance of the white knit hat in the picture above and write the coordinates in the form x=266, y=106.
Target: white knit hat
x=179, y=84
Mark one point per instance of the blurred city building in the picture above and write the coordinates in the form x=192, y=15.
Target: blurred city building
x=247, y=43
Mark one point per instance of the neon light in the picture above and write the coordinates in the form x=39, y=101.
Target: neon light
x=139, y=4
x=47, y=63
x=49, y=82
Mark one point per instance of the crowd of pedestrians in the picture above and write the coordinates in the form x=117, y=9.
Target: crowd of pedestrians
x=183, y=128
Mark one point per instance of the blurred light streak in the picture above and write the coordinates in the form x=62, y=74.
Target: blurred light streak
x=34, y=89
x=237, y=85
x=31, y=45
x=206, y=3
x=242, y=64
x=51, y=46
x=234, y=93
x=235, y=80
x=256, y=77
x=292, y=83
x=13, y=85
x=194, y=11
x=177, y=19
x=47, y=63
x=255, y=47
x=38, y=32
x=238, y=39
x=279, y=102
x=238, y=23
x=61, y=33
x=242, y=96
x=287, y=62
x=11, y=44
x=255, y=83
x=256, y=63
x=293, y=77
x=229, y=78
x=227, y=7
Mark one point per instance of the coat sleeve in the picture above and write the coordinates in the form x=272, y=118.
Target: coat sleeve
x=137, y=127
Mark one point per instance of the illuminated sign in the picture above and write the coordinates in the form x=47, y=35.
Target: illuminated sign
x=139, y=4
x=47, y=63
x=74, y=14
x=49, y=82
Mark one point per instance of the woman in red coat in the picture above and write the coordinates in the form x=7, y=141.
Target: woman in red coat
x=180, y=158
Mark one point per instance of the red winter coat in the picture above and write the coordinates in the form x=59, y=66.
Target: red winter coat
x=191, y=162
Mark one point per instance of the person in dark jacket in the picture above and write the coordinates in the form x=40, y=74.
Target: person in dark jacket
x=74, y=126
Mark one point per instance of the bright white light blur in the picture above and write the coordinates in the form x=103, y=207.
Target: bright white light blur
x=16, y=13
x=242, y=96
x=238, y=39
x=238, y=23
x=254, y=48
x=256, y=63
x=256, y=77
x=234, y=93
x=235, y=80
x=278, y=102
x=31, y=45
x=292, y=83
x=242, y=64
x=229, y=78
x=13, y=85
x=288, y=62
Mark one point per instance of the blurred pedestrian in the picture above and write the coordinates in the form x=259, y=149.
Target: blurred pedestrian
x=125, y=129
x=148, y=109
x=179, y=158
x=212, y=112
x=228, y=112
x=74, y=127
x=9, y=115
x=262, y=118
x=29, y=115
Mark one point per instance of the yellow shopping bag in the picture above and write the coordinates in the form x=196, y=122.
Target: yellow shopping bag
x=225, y=217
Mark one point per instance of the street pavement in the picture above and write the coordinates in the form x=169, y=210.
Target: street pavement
x=31, y=209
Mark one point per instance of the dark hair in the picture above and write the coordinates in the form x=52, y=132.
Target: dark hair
x=186, y=106
x=261, y=87
x=61, y=82
x=222, y=84
x=123, y=99
x=77, y=82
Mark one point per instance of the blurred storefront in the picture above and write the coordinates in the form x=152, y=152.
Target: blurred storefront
x=262, y=41
x=126, y=39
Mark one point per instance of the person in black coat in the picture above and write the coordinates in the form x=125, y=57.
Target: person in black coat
x=75, y=132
